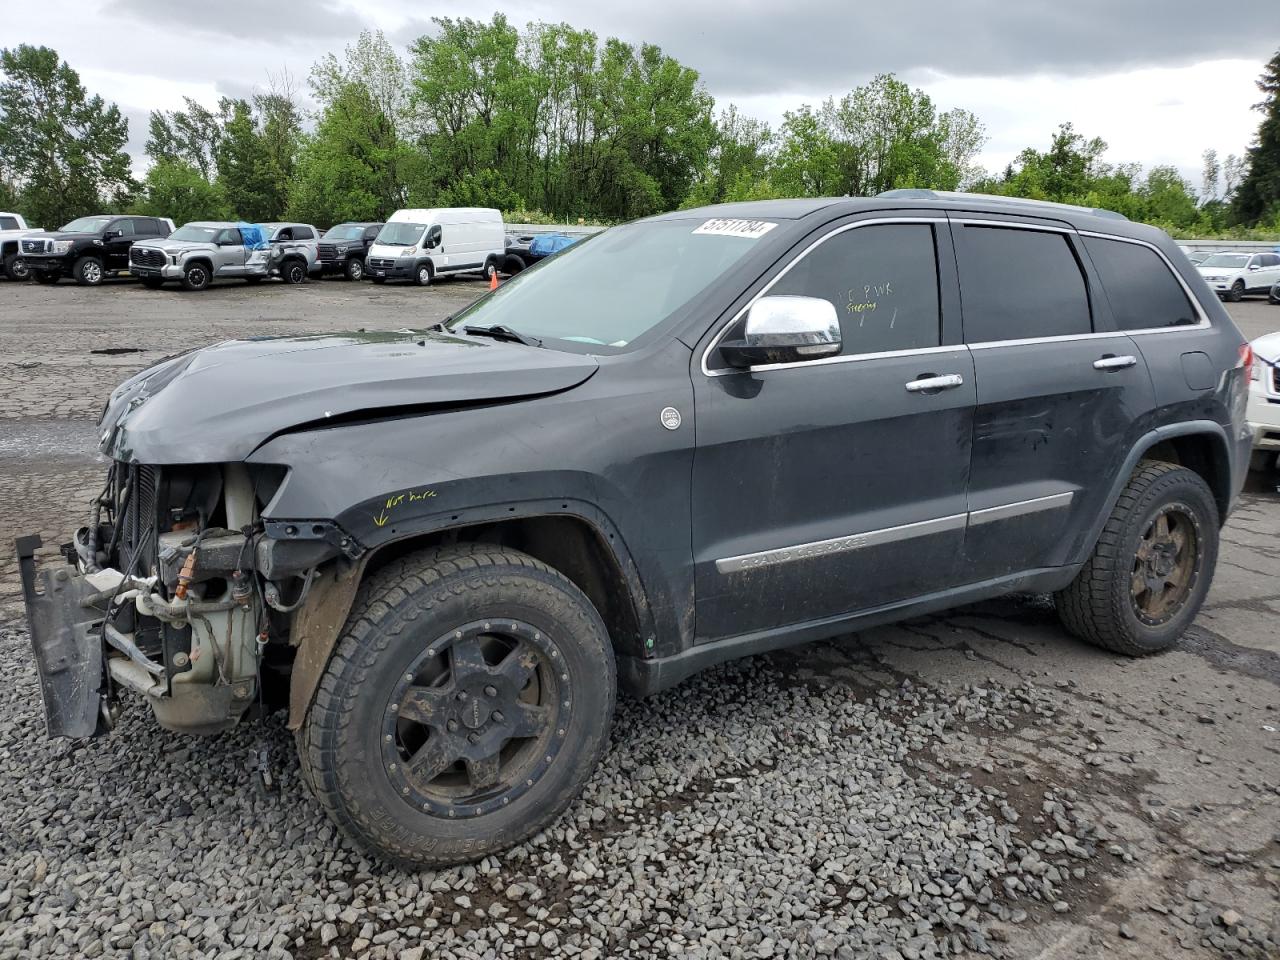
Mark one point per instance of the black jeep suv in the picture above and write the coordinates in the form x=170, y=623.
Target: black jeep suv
x=699, y=436
x=90, y=248
x=343, y=249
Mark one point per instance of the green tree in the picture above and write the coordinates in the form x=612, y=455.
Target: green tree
x=180, y=191
x=190, y=136
x=245, y=171
x=63, y=149
x=349, y=169
x=738, y=165
x=1258, y=197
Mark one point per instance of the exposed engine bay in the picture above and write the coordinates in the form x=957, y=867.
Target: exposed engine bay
x=175, y=590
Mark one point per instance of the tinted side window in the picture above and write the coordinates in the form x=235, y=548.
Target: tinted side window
x=1017, y=284
x=8, y=223
x=303, y=233
x=883, y=282
x=123, y=227
x=146, y=225
x=230, y=235
x=1142, y=291
x=371, y=232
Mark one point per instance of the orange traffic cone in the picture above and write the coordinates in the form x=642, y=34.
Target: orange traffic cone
x=493, y=280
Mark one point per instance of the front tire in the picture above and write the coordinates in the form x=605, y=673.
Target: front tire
x=424, y=275
x=464, y=708
x=195, y=277
x=15, y=268
x=1236, y=293
x=354, y=270
x=88, y=271
x=1273, y=297
x=1152, y=566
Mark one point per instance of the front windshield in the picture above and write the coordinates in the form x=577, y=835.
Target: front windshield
x=86, y=225
x=401, y=234
x=195, y=233
x=1226, y=260
x=611, y=288
x=344, y=231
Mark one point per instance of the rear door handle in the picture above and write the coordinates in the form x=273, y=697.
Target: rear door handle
x=933, y=383
x=1114, y=363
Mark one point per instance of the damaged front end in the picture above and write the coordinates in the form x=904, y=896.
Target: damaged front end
x=175, y=590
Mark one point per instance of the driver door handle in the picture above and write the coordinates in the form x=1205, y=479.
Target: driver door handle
x=932, y=383
x=1114, y=363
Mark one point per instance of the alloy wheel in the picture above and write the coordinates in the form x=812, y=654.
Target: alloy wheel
x=1166, y=565
x=477, y=719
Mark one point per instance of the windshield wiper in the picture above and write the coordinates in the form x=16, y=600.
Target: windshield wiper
x=500, y=331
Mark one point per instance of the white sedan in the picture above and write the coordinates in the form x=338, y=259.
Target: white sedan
x=1264, y=400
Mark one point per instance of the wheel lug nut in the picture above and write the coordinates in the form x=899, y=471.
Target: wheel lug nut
x=474, y=738
x=491, y=691
x=452, y=725
x=497, y=716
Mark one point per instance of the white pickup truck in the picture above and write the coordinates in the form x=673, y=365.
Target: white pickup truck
x=12, y=229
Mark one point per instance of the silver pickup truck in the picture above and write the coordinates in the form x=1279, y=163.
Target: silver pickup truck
x=199, y=253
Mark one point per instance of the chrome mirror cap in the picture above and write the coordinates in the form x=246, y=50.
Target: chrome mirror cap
x=785, y=329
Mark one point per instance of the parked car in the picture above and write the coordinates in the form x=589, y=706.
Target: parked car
x=343, y=249
x=420, y=245
x=1264, y=401
x=12, y=229
x=701, y=436
x=89, y=249
x=201, y=252
x=524, y=250
x=1232, y=275
x=1199, y=256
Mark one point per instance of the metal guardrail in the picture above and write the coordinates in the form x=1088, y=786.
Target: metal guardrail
x=572, y=229
x=1230, y=246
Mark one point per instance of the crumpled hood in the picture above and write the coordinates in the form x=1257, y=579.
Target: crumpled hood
x=220, y=403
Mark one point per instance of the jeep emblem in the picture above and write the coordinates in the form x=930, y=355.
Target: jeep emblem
x=670, y=418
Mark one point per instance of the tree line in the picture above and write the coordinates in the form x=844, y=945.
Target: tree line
x=552, y=123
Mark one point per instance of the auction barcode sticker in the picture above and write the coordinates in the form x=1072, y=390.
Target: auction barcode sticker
x=751, y=229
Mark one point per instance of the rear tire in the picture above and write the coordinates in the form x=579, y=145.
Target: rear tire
x=354, y=270
x=1236, y=293
x=195, y=277
x=15, y=268
x=464, y=708
x=293, y=271
x=88, y=271
x=1152, y=566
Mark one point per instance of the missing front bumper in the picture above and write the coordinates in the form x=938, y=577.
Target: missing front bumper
x=67, y=642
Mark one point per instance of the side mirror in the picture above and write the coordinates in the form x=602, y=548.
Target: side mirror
x=1253, y=267
x=785, y=330
x=112, y=234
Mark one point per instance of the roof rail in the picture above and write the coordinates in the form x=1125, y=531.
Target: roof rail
x=915, y=193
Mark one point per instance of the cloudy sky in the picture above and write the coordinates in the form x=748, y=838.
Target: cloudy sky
x=1159, y=80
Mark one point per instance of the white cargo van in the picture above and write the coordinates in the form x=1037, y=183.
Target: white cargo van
x=421, y=245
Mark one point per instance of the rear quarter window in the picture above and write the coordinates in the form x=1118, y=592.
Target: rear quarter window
x=1143, y=292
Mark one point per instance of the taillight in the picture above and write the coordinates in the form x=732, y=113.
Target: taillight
x=1246, y=362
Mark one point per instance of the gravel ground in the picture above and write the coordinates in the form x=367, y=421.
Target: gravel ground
x=969, y=784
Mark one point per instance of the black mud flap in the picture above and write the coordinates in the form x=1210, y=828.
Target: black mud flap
x=67, y=645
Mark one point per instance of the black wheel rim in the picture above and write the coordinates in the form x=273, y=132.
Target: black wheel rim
x=477, y=719
x=196, y=276
x=295, y=274
x=20, y=270
x=1166, y=565
x=355, y=271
